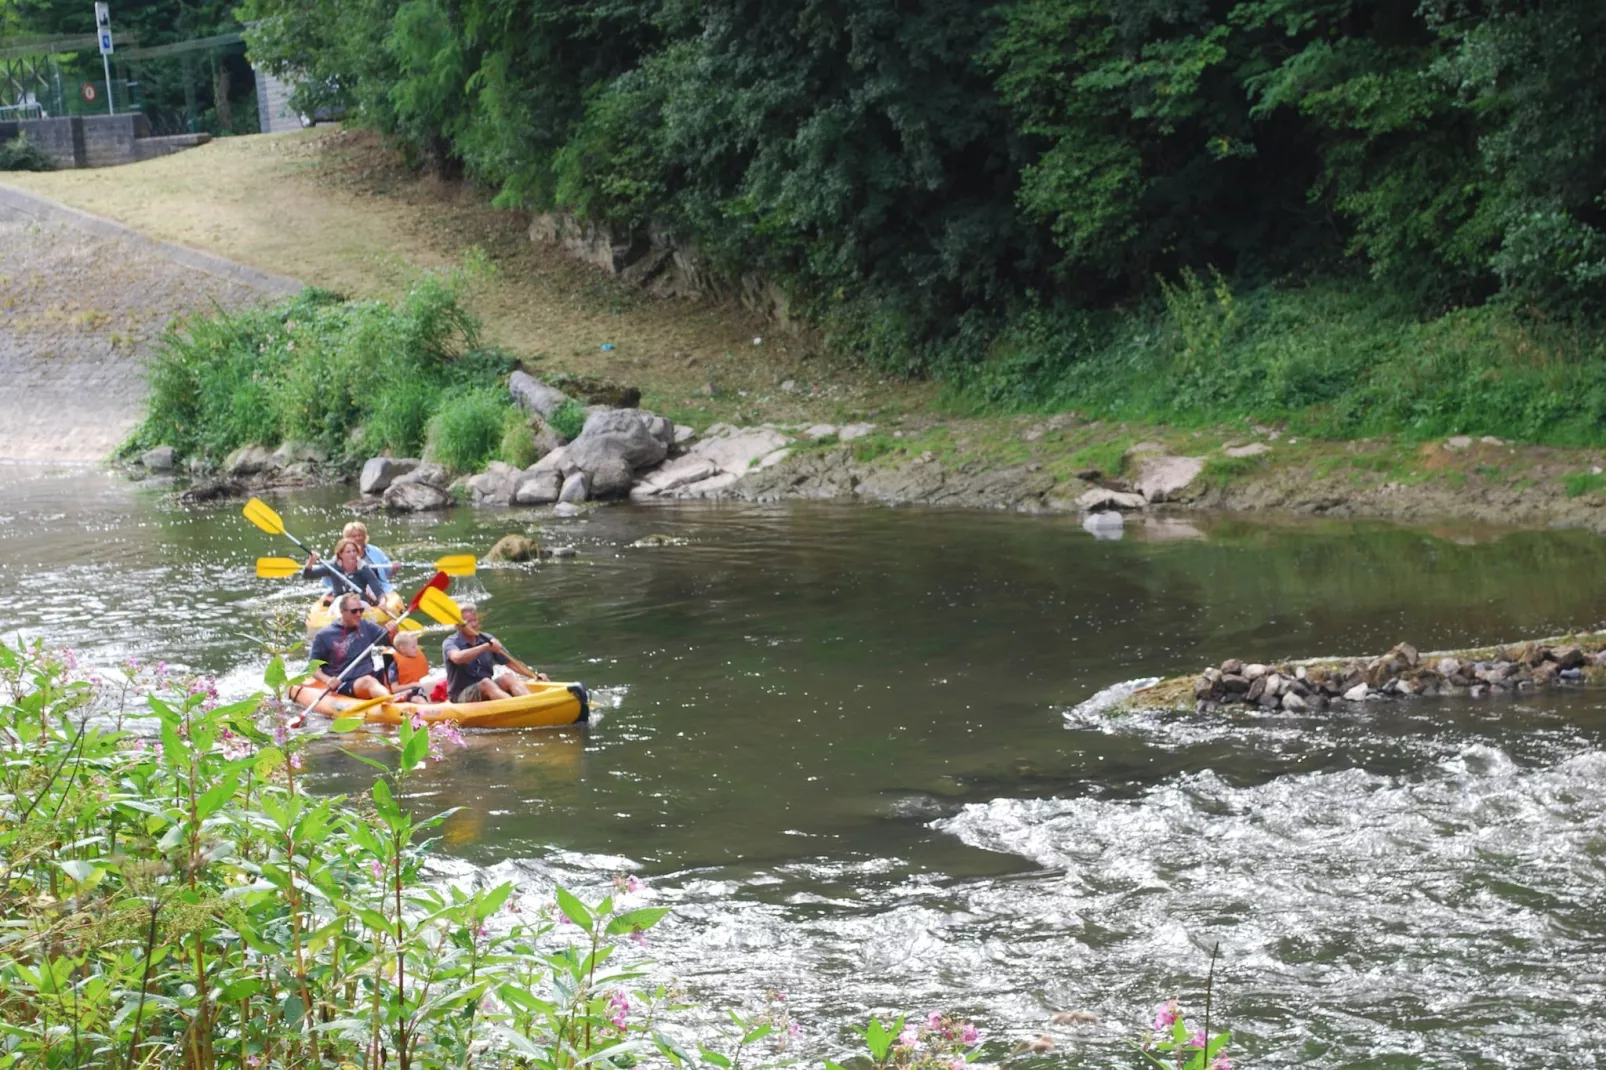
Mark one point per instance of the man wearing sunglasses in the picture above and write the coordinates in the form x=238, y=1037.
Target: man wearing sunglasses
x=341, y=643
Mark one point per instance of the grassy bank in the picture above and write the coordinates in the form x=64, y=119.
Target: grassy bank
x=1332, y=361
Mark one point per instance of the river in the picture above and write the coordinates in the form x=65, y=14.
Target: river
x=852, y=747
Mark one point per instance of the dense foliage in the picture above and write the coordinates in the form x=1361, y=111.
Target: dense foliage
x=349, y=377
x=917, y=175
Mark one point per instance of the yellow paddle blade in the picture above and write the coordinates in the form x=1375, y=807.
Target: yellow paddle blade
x=277, y=568
x=408, y=624
x=440, y=606
x=257, y=511
x=456, y=564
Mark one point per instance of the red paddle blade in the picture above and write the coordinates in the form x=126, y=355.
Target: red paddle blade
x=440, y=581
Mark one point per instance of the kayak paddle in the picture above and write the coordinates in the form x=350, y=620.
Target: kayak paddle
x=439, y=605
x=278, y=568
x=258, y=512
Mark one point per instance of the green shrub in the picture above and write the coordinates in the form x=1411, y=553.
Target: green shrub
x=21, y=154
x=568, y=419
x=312, y=368
x=518, y=441
x=1580, y=483
x=466, y=430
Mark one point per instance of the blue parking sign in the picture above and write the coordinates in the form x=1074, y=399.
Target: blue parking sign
x=105, y=44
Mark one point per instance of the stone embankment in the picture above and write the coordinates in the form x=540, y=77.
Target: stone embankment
x=1318, y=684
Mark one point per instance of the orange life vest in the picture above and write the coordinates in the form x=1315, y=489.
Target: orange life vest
x=410, y=668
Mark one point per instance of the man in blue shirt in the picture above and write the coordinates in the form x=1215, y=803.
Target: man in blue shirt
x=472, y=658
x=341, y=644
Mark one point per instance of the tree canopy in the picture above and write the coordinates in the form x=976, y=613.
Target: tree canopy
x=914, y=171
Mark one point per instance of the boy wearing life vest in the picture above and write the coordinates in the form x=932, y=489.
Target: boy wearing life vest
x=408, y=665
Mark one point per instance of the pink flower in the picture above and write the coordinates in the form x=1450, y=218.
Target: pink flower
x=934, y=1020
x=281, y=734
x=1198, y=1039
x=909, y=1037
x=69, y=658
x=295, y=761
x=957, y=1064
x=1221, y=1063
x=969, y=1034
x=794, y=1030
x=638, y=938
x=1166, y=1014
x=418, y=721
x=377, y=869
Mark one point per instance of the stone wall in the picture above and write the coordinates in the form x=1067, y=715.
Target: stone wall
x=97, y=140
x=658, y=262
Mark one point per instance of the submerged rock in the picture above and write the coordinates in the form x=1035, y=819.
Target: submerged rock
x=514, y=548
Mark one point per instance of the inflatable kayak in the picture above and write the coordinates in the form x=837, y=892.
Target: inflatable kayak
x=321, y=615
x=547, y=705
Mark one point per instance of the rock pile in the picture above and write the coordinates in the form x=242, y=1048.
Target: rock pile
x=1401, y=673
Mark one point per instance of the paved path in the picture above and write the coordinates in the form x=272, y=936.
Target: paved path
x=82, y=300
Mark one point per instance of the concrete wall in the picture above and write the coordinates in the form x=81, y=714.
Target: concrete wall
x=97, y=140
x=273, y=105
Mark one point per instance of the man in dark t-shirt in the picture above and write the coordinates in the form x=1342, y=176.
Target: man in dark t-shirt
x=340, y=645
x=472, y=658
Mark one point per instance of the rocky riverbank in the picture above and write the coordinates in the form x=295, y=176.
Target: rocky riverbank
x=1319, y=684
x=1110, y=476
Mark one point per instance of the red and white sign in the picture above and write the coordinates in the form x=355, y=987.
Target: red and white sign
x=89, y=92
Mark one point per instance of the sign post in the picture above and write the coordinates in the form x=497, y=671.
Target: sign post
x=103, y=30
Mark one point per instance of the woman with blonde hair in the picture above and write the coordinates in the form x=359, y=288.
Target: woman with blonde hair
x=346, y=573
x=372, y=556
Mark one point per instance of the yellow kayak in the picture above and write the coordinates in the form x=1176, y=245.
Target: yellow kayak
x=547, y=705
x=321, y=615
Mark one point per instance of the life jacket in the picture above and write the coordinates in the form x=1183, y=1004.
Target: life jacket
x=410, y=668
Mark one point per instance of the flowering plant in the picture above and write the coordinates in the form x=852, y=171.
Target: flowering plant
x=1174, y=1045
x=936, y=1042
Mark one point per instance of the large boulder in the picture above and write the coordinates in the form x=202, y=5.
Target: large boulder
x=659, y=427
x=575, y=489
x=620, y=434
x=677, y=473
x=378, y=473
x=532, y=394
x=495, y=485
x=427, y=472
x=611, y=478
x=538, y=488
x=1161, y=476
x=249, y=461
x=415, y=497
x=159, y=459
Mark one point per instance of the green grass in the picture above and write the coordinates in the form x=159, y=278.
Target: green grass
x=1580, y=483
x=1332, y=361
x=568, y=419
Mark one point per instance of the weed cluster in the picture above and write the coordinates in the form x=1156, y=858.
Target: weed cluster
x=21, y=154
x=353, y=377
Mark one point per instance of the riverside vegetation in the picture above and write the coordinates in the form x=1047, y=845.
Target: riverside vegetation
x=182, y=901
x=1403, y=201
x=349, y=378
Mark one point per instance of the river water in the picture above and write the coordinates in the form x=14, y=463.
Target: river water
x=853, y=748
